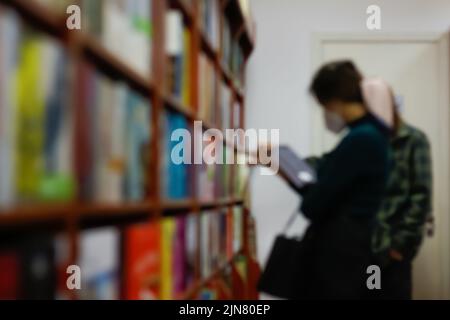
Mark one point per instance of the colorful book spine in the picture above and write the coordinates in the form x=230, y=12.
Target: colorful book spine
x=9, y=47
x=9, y=275
x=38, y=276
x=30, y=120
x=191, y=248
x=142, y=262
x=179, y=257
x=99, y=261
x=175, y=174
x=168, y=226
x=138, y=147
x=174, y=51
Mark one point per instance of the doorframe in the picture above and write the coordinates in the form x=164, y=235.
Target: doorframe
x=443, y=155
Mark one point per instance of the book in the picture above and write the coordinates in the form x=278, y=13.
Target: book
x=205, y=242
x=175, y=40
x=113, y=160
x=168, y=226
x=108, y=172
x=57, y=183
x=87, y=84
x=138, y=147
x=186, y=84
x=233, y=57
x=241, y=177
x=175, y=183
x=9, y=46
x=223, y=234
x=36, y=123
x=206, y=89
x=238, y=225
x=124, y=27
x=179, y=59
x=207, y=174
x=99, y=260
x=61, y=244
x=142, y=261
x=38, y=268
x=9, y=275
x=191, y=248
x=30, y=120
x=179, y=257
x=209, y=10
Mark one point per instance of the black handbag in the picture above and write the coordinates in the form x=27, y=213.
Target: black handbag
x=288, y=271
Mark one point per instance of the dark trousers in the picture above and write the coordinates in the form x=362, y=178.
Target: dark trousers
x=396, y=281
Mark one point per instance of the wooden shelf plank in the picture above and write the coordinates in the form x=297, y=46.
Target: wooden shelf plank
x=174, y=104
x=207, y=47
x=39, y=16
x=30, y=215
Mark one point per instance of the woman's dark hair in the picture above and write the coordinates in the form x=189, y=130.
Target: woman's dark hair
x=339, y=80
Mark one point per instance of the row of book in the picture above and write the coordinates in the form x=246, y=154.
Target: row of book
x=36, y=121
x=233, y=57
x=39, y=160
x=210, y=21
x=179, y=71
x=157, y=260
x=101, y=153
x=179, y=58
x=124, y=27
x=113, y=155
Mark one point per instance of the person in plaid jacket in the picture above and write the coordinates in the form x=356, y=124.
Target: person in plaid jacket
x=405, y=210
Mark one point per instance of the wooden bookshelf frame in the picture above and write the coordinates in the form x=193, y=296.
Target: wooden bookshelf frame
x=76, y=216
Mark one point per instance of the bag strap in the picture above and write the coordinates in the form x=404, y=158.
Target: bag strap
x=290, y=221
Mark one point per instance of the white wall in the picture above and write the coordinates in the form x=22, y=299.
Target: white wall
x=279, y=73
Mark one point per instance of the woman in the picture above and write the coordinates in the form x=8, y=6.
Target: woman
x=342, y=205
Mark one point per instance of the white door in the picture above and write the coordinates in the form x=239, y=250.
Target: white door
x=417, y=68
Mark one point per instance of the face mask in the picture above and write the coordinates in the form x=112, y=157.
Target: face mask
x=334, y=122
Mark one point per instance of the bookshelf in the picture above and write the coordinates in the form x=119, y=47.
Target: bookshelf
x=73, y=217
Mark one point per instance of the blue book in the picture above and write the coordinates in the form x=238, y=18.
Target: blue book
x=176, y=174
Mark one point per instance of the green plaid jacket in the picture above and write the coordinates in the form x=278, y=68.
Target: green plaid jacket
x=407, y=205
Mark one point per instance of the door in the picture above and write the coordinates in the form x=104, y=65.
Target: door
x=417, y=68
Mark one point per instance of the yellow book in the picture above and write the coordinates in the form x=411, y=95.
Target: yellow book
x=168, y=233
x=30, y=120
x=187, y=68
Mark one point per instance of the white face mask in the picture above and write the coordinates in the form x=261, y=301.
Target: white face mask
x=334, y=122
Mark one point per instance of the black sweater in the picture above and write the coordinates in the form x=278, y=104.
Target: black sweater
x=352, y=178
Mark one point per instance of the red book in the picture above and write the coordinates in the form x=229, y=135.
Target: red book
x=142, y=250
x=9, y=277
x=230, y=234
